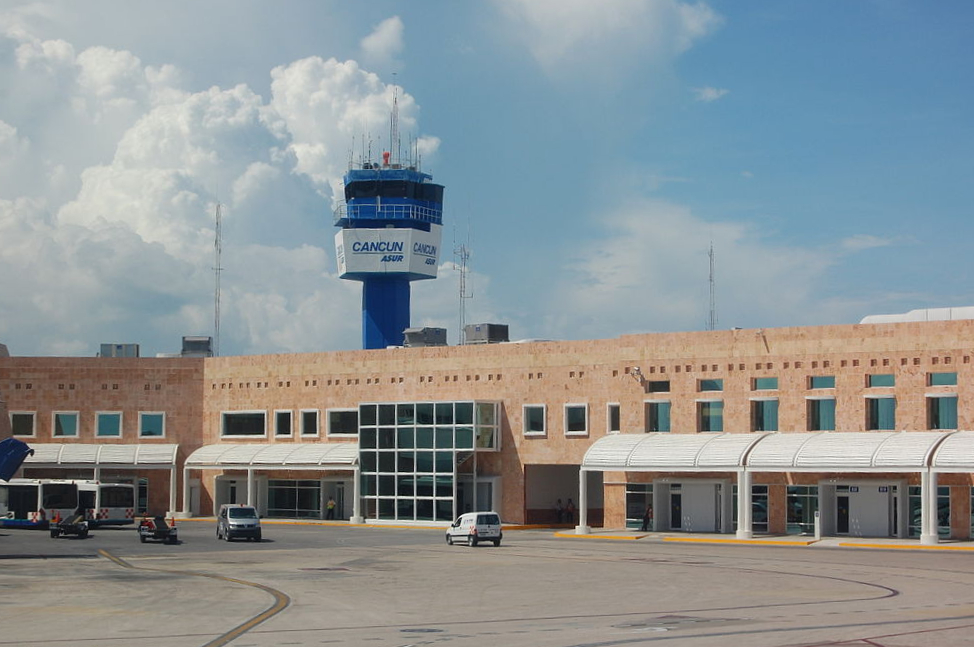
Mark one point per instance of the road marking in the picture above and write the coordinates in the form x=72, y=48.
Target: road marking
x=281, y=600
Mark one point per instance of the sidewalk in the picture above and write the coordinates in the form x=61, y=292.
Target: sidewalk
x=770, y=540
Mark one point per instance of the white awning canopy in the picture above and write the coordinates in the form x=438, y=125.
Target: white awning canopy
x=892, y=451
x=956, y=453
x=669, y=452
x=86, y=455
x=337, y=456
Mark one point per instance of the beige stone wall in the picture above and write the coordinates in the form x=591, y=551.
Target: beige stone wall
x=195, y=392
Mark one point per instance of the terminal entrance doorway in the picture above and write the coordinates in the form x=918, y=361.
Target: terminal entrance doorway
x=693, y=506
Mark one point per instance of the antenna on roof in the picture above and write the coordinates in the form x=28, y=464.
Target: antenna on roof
x=394, y=125
x=461, y=254
x=712, y=321
x=217, y=269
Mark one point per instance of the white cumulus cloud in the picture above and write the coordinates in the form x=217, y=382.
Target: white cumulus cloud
x=708, y=94
x=384, y=45
x=593, y=38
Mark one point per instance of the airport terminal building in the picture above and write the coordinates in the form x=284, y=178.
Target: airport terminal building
x=856, y=430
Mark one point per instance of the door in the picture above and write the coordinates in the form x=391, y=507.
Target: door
x=676, y=510
x=842, y=514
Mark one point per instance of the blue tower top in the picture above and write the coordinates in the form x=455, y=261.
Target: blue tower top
x=391, y=226
x=390, y=195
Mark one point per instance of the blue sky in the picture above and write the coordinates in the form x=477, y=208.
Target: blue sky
x=591, y=153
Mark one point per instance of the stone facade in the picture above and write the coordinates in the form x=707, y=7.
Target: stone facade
x=195, y=392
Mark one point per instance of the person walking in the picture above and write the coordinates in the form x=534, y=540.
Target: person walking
x=648, y=518
x=330, y=507
x=570, y=512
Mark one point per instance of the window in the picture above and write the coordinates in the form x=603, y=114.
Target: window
x=658, y=386
x=342, y=422
x=613, y=422
x=534, y=420
x=309, y=422
x=65, y=424
x=942, y=412
x=802, y=504
x=658, y=415
x=710, y=415
x=942, y=379
x=22, y=423
x=710, y=385
x=885, y=379
x=576, y=419
x=765, y=384
x=764, y=415
x=152, y=425
x=282, y=423
x=821, y=382
x=881, y=414
x=821, y=414
x=108, y=424
x=244, y=423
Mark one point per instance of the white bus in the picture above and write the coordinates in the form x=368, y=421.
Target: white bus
x=32, y=503
x=107, y=504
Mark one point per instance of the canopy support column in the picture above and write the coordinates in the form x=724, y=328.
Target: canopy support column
x=173, y=482
x=356, y=498
x=744, y=523
x=582, y=528
x=185, y=508
x=251, y=484
x=928, y=508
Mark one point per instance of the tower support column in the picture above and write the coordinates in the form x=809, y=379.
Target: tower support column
x=385, y=311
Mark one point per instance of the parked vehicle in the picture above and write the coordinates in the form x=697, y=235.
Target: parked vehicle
x=107, y=504
x=474, y=527
x=34, y=503
x=156, y=529
x=73, y=524
x=235, y=521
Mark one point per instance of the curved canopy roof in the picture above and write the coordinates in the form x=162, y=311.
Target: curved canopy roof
x=279, y=455
x=956, y=453
x=147, y=456
x=893, y=451
x=683, y=452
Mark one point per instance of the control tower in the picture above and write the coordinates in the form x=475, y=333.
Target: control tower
x=391, y=227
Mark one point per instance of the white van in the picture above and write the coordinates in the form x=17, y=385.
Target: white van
x=474, y=527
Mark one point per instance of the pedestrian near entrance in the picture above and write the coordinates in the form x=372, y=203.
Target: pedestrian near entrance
x=330, y=507
x=559, y=511
x=570, y=512
x=648, y=518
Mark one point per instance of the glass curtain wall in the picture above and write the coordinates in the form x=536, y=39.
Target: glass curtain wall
x=410, y=452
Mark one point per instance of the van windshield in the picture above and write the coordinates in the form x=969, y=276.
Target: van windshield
x=242, y=513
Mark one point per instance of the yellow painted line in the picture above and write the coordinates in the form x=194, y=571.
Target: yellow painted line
x=907, y=546
x=745, y=542
x=571, y=535
x=281, y=600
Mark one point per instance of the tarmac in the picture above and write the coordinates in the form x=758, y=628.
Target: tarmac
x=628, y=534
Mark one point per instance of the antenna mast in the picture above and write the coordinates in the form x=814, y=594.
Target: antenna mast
x=461, y=254
x=217, y=251
x=394, y=127
x=712, y=321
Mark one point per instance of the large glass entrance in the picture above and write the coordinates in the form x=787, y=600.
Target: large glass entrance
x=414, y=454
x=294, y=499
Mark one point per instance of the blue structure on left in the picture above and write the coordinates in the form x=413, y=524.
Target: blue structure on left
x=391, y=226
x=13, y=452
